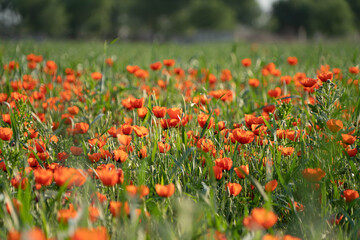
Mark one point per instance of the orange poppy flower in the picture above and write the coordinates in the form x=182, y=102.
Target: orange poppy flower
x=308, y=82
x=124, y=139
x=274, y=92
x=98, y=233
x=119, y=208
x=95, y=157
x=242, y=136
x=354, y=70
x=164, y=147
x=141, y=73
x=225, y=75
x=224, y=163
x=126, y=129
x=34, y=233
x=335, y=125
x=324, y=76
x=96, y=76
x=65, y=214
x=286, y=151
x=137, y=103
x=81, y=128
x=349, y=195
x=234, y=188
x=174, y=113
x=141, y=190
x=246, y=62
x=298, y=206
x=202, y=119
x=159, y=112
x=169, y=62
x=108, y=177
x=141, y=131
x=292, y=61
x=313, y=174
x=5, y=134
x=155, y=66
x=73, y=110
x=165, y=190
x=260, y=218
x=271, y=186
x=43, y=177
x=76, y=151
x=132, y=69
x=142, y=152
x=109, y=62
x=217, y=172
x=242, y=171
x=348, y=139
x=142, y=112
x=120, y=155
x=352, y=152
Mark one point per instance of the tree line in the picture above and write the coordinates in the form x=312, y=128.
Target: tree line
x=136, y=18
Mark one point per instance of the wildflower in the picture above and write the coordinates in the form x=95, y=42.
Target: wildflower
x=65, y=214
x=165, y=190
x=174, y=113
x=349, y=195
x=119, y=208
x=274, y=92
x=120, y=155
x=354, y=70
x=271, y=186
x=292, y=61
x=137, y=103
x=108, y=177
x=163, y=147
x=141, y=131
x=96, y=76
x=43, y=177
x=98, y=233
x=324, y=76
x=142, y=112
x=159, y=112
x=217, y=172
x=5, y=134
x=242, y=171
x=260, y=218
x=286, y=151
x=348, y=139
x=169, y=62
x=76, y=151
x=246, y=62
x=335, y=125
x=224, y=163
x=234, y=188
x=132, y=69
x=242, y=136
x=308, y=82
x=313, y=174
x=203, y=118
x=155, y=66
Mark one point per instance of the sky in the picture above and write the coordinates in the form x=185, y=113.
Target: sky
x=266, y=4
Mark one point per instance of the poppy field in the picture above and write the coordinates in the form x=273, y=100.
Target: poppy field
x=148, y=141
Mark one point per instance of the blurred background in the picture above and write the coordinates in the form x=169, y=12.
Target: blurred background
x=179, y=20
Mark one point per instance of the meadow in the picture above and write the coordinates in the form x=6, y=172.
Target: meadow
x=111, y=140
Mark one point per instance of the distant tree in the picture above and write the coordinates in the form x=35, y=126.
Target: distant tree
x=291, y=16
x=88, y=17
x=211, y=14
x=246, y=11
x=43, y=16
x=330, y=17
x=355, y=7
x=333, y=17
